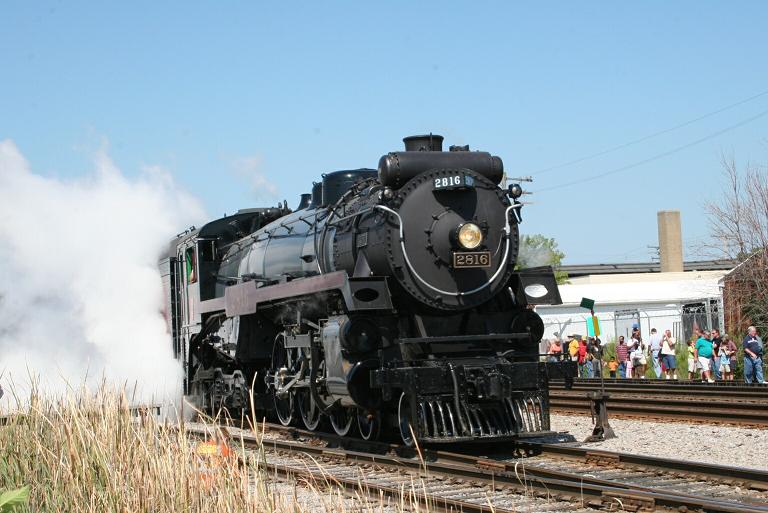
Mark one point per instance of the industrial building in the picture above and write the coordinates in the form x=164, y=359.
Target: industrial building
x=669, y=294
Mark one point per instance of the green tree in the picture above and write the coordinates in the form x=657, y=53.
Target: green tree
x=537, y=250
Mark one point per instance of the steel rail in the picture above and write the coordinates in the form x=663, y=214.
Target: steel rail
x=521, y=477
x=737, y=476
x=719, y=388
x=688, y=401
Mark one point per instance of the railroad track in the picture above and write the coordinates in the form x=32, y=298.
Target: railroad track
x=532, y=477
x=737, y=404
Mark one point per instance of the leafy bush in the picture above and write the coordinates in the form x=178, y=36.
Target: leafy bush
x=12, y=498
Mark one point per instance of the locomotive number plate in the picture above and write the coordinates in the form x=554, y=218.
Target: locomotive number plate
x=453, y=182
x=475, y=259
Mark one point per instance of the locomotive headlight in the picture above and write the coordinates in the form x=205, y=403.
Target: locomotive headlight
x=470, y=236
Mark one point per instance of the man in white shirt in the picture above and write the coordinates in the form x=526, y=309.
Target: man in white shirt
x=639, y=361
x=668, y=354
x=655, y=342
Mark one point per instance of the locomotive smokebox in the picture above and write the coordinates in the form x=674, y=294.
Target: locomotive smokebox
x=429, y=142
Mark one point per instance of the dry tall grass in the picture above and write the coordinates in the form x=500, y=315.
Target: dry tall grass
x=87, y=453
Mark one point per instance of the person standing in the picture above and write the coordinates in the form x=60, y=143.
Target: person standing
x=621, y=354
x=727, y=355
x=753, y=357
x=612, y=366
x=668, y=355
x=582, y=355
x=638, y=357
x=555, y=351
x=655, y=343
x=573, y=348
x=691, y=361
x=589, y=363
x=597, y=357
x=631, y=346
x=703, y=353
x=716, y=343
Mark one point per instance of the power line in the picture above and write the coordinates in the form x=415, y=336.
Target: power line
x=651, y=136
x=659, y=155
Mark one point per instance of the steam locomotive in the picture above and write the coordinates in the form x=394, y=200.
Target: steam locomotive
x=387, y=301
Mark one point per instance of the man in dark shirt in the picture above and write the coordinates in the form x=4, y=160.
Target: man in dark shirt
x=716, y=341
x=753, y=357
x=622, y=352
x=597, y=357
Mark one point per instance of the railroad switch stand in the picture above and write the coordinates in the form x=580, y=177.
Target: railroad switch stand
x=602, y=430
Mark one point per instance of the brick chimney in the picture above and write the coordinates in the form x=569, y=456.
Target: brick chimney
x=670, y=241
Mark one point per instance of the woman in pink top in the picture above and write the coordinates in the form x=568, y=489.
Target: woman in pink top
x=555, y=350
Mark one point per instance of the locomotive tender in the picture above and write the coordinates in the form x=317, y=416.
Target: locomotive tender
x=389, y=299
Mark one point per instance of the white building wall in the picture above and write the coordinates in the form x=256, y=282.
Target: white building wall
x=658, y=298
x=567, y=320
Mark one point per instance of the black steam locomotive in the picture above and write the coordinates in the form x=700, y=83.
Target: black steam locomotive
x=389, y=299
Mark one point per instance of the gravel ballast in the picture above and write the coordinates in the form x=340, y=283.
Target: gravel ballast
x=717, y=445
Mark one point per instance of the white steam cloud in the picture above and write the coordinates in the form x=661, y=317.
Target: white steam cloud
x=80, y=291
x=250, y=169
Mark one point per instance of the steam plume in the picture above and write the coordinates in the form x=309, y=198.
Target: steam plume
x=80, y=293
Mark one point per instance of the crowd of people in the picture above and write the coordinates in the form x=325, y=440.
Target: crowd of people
x=710, y=356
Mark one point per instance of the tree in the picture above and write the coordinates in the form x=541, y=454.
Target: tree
x=537, y=250
x=738, y=220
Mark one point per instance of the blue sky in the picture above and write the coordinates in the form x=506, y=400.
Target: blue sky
x=220, y=92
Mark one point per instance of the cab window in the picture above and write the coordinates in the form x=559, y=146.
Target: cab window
x=191, y=263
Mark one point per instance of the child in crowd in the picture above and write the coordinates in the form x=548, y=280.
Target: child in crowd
x=691, y=360
x=727, y=358
x=612, y=366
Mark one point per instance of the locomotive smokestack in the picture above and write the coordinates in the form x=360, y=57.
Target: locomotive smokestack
x=305, y=201
x=429, y=142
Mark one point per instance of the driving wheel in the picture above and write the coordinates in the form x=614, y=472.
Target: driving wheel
x=341, y=419
x=285, y=365
x=369, y=424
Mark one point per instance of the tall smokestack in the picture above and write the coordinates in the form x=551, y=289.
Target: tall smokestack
x=670, y=241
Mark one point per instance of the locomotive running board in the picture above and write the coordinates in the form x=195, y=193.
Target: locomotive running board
x=358, y=293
